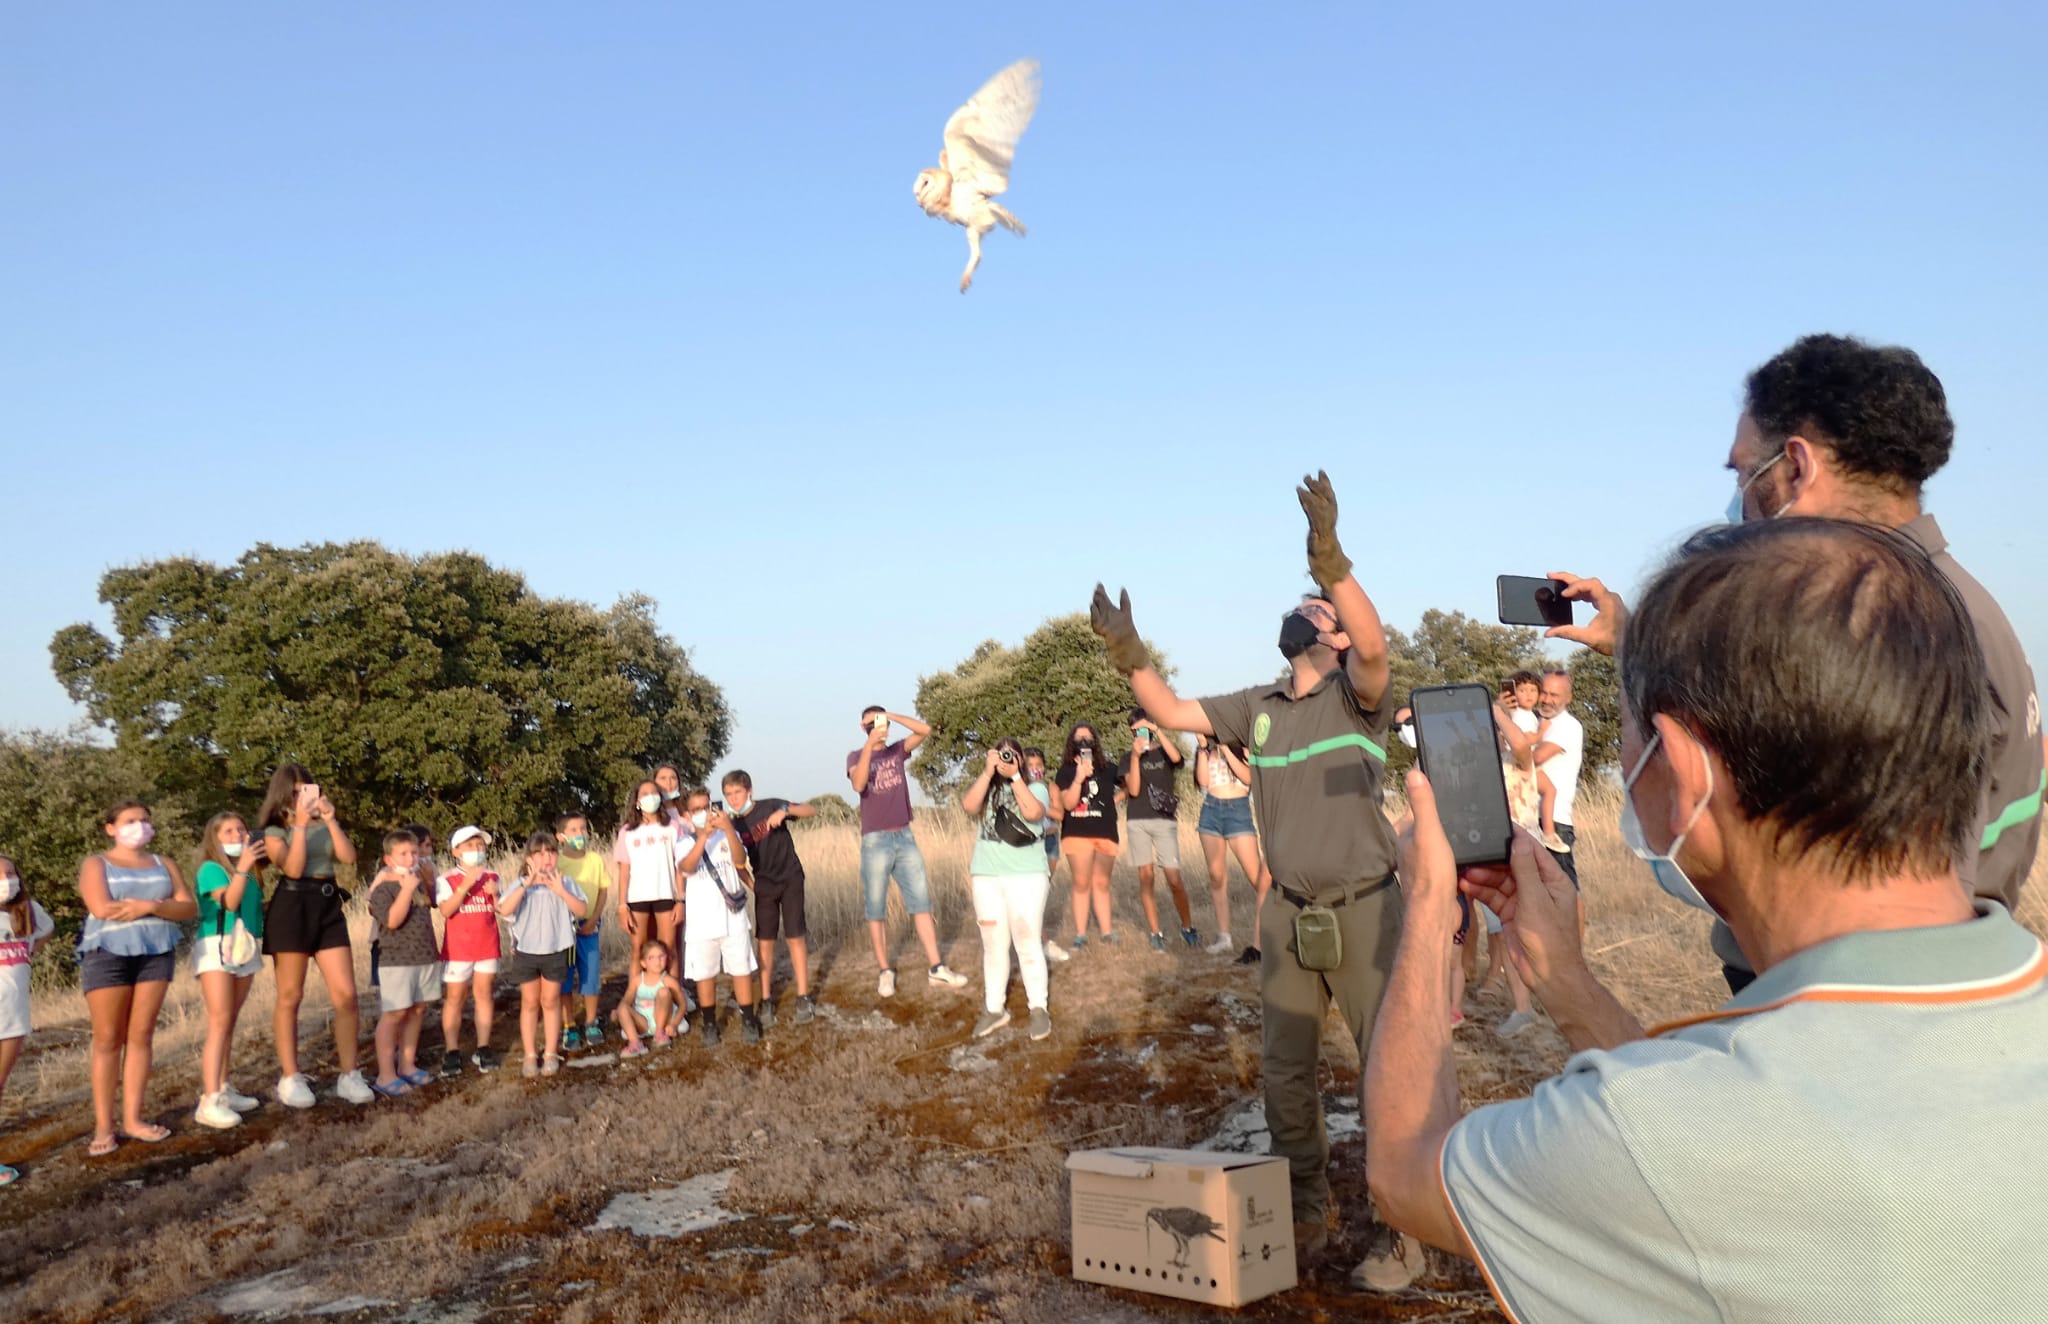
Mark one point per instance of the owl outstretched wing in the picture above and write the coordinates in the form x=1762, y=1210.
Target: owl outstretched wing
x=981, y=137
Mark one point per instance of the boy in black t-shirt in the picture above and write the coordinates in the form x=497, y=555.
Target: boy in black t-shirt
x=778, y=887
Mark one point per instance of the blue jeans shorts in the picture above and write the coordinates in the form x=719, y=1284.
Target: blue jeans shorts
x=1226, y=818
x=884, y=853
x=583, y=972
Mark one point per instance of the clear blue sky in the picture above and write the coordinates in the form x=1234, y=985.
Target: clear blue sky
x=653, y=274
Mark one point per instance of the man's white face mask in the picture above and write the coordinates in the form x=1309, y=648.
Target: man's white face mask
x=1743, y=485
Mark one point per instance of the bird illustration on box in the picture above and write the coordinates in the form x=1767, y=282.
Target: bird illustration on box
x=974, y=165
x=1184, y=1225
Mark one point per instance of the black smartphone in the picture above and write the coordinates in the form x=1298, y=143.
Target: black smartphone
x=1459, y=748
x=1527, y=601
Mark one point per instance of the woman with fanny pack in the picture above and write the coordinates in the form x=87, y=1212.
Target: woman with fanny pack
x=134, y=902
x=303, y=925
x=1010, y=881
x=226, y=956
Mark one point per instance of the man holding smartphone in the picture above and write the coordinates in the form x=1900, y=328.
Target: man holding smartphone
x=1329, y=924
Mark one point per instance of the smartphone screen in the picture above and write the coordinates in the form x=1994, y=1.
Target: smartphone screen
x=1527, y=601
x=1460, y=753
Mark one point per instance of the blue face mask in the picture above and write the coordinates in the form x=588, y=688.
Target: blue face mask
x=1663, y=865
x=1742, y=489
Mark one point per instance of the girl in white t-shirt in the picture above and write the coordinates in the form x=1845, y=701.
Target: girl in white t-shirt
x=650, y=886
x=718, y=938
x=23, y=925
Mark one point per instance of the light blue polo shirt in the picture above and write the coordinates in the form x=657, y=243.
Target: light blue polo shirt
x=1861, y=1135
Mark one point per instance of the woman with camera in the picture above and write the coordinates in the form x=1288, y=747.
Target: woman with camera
x=1089, y=789
x=1010, y=883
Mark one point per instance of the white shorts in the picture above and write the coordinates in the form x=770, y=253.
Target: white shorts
x=1492, y=920
x=403, y=986
x=459, y=972
x=206, y=960
x=730, y=955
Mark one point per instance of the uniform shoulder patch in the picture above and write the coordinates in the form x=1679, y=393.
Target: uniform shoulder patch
x=1261, y=728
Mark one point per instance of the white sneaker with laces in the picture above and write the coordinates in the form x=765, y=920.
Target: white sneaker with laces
x=1055, y=952
x=237, y=1100
x=295, y=1091
x=354, y=1088
x=213, y=1111
x=939, y=974
x=1223, y=946
x=886, y=985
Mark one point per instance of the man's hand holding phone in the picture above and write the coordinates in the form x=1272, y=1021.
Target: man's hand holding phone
x=1603, y=633
x=1538, y=909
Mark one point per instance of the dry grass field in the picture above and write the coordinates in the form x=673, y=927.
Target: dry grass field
x=882, y=1166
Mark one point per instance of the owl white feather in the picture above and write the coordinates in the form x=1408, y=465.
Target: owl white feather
x=974, y=165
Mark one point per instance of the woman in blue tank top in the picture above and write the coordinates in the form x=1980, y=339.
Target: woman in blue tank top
x=134, y=902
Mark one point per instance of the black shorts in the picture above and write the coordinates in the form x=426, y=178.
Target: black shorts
x=303, y=918
x=651, y=907
x=525, y=967
x=778, y=909
x=98, y=970
x=1566, y=860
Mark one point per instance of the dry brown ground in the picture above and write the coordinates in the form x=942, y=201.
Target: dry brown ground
x=473, y=1200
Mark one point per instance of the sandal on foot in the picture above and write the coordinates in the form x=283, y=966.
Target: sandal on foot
x=398, y=1086
x=8, y=1176
x=150, y=1133
x=102, y=1146
x=551, y=1065
x=416, y=1078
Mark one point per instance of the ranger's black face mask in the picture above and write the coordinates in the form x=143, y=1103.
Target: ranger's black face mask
x=1297, y=634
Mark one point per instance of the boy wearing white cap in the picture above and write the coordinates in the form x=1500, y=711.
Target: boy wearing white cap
x=468, y=901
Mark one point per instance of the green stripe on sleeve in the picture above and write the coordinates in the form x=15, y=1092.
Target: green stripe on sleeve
x=1351, y=740
x=2016, y=813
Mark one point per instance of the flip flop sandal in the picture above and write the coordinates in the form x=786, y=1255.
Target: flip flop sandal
x=417, y=1079
x=551, y=1065
x=391, y=1091
x=8, y=1176
x=102, y=1146
x=151, y=1134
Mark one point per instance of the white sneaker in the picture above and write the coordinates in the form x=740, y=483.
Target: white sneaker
x=237, y=1100
x=939, y=974
x=1055, y=952
x=214, y=1111
x=1515, y=1024
x=295, y=1091
x=1223, y=946
x=354, y=1088
x=886, y=985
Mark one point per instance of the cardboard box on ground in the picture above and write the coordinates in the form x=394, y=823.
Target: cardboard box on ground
x=1183, y=1223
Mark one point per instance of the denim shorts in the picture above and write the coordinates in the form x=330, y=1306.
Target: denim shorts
x=1226, y=818
x=102, y=969
x=884, y=853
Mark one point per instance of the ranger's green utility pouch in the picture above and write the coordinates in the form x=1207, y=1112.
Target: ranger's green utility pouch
x=1318, y=942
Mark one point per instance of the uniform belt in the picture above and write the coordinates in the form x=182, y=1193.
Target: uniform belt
x=306, y=884
x=1352, y=892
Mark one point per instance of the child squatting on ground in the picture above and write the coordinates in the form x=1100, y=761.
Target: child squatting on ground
x=653, y=1004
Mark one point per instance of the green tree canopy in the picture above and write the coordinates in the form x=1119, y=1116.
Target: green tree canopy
x=1596, y=700
x=1036, y=692
x=833, y=808
x=437, y=687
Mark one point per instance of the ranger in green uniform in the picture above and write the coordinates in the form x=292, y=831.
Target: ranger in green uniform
x=1330, y=923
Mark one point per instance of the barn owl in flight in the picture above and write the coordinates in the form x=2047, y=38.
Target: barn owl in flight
x=974, y=165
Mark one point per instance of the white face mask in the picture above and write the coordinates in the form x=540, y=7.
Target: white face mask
x=10, y=888
x=473, y=858
x=1663, y=864
x=699, y=819
x=670, y=795
x=232, y=849
x=649, y=803
x=1407, y=734
x=135, y=835
x=1743, y=485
